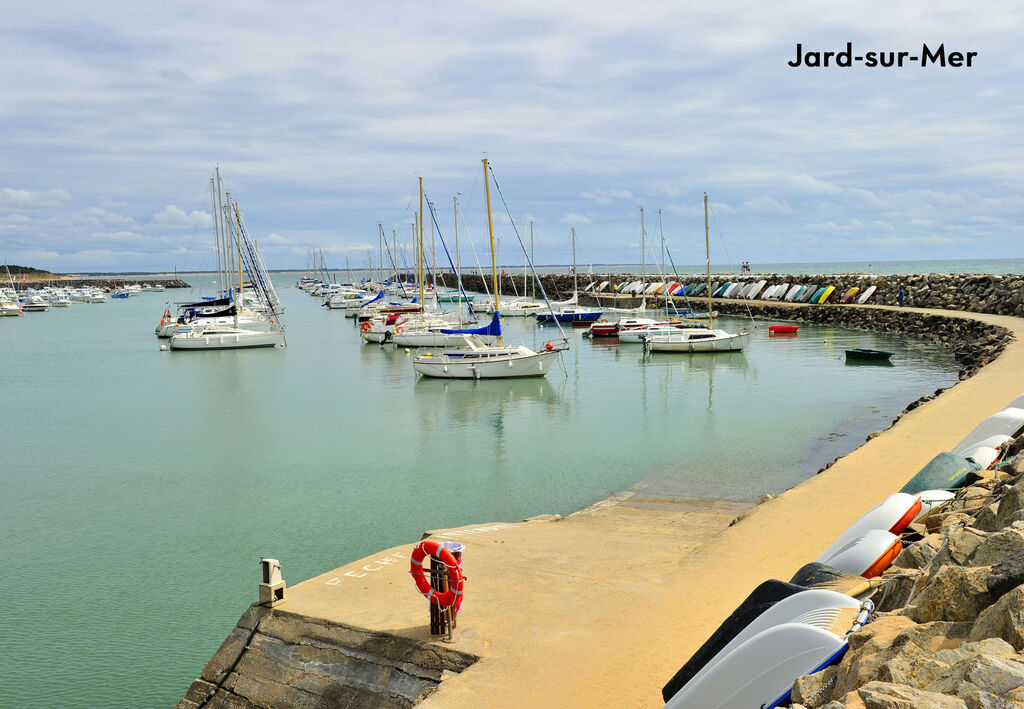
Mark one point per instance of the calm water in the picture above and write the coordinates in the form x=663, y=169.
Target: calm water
x=142, y=487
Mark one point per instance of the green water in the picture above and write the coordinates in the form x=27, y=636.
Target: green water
x=142, y=487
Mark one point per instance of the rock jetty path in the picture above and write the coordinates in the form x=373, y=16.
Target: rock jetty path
x=596, y=609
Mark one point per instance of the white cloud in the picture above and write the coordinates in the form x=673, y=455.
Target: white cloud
x=574, y=218
x=16, y=199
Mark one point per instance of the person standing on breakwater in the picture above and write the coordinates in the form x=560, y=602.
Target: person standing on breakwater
x=901, y=296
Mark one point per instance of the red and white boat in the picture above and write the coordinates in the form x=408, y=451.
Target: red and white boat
x=604, y=328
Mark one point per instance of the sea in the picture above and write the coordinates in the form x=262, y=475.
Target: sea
x=142, y=487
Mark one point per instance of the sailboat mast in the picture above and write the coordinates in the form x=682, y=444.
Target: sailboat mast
x=661, y=230
x=490, y=229
x=575, y=283
x=216, y=222
x=533, y=288
x=420, y=275
x=458, y=254
x=707, y=251
x=643, y=252
x=238, y=245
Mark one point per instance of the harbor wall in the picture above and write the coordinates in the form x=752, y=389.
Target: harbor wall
x=970, y=292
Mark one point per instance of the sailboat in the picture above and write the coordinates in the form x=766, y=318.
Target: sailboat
x=569, y=311
x=232, y=336
x=698, y=339
x=9, y=305
x=475, y=360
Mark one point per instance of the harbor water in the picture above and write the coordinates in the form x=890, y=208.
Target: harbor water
x=142, y=487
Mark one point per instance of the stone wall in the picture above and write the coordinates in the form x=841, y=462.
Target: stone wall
x=278, y=659
x=102, y=283
x=977, y=293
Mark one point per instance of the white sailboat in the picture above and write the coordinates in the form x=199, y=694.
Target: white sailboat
x=475, y=360
x=221, y=337
x=706, y=339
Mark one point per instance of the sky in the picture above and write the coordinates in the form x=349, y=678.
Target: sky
x=323, y=115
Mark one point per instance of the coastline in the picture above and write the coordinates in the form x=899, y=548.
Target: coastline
x=588, y=611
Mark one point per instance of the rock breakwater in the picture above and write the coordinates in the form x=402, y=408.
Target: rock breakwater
x=970, y=292
x=950, y=625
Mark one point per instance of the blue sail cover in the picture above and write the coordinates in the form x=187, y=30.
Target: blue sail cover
x=493, y=328
x=373, y=300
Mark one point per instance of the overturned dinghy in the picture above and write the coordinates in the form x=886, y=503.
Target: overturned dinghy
x=946, y=471
x=779, y=633
x=1008, y=422
x=867, y=555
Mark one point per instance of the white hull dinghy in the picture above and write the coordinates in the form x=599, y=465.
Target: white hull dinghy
x=1008, y=422
x=696, y=340
x=867, y=555
x=892, y=515
x=799, y=635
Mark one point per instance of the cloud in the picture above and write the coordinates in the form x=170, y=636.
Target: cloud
x=574, y=218
x=767, y=205
x=606, y=196
x=174, y=217
x=16, y=199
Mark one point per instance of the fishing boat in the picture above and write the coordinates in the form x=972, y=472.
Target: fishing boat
x=860, y=353
x=698, y=339
x=36, y=304
x=476, y=360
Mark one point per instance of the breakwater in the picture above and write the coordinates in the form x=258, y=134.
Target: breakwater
x=101, y=283
x=975, y=293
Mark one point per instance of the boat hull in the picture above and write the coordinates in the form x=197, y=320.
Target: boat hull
x=732, y=343
x=226, y=341
x=454, y=366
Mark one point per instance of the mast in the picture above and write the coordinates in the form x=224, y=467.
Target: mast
x=222, y=237
x=533, y=286
x=661, y=230
x=575, y=284
x=216, y=223
x=490, y=229
x=643, y=256
x=238, y=245
x=458, y=255
x=707, y=251
x=419, y=273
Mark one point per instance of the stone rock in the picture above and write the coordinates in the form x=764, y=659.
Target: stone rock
x=986, y=519
x=894, y=649
x=984, y=673
x=1006, y=574
x=998, y=546
x=959, y=547
x=954, y=593
x=1017, y=464
x=1012, y=502
x=885, y=695
x=984, y=700
x=1003, y=619
x=896, y=588
x=919, y=555
x=814, y=690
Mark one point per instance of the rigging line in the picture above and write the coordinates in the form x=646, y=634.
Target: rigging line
x=437, y=226
x=721, y=237
x=479, y=270
x=532, y=267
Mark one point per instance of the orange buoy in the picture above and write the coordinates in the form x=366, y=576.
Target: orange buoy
x=548, y=346
x=453, y=596
x=365, y=326
x=399, y=330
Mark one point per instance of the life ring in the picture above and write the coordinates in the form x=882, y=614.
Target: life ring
x=399, y=330
x=366, y=327
x=442, y=599
x=604, y=319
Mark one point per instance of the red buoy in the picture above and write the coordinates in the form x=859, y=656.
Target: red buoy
x=548, y=346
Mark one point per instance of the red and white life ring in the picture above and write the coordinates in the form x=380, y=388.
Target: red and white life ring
x=453, y=596
x=366, y=326
x=399, y=330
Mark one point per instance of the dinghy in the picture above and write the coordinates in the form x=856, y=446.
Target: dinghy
x=869, y=554
x=782, y=329
x=1008, y=422
x=945, y=471
x=866, y=294
x=800, y=634
x=892, y=514
x=983, y=456
x=932, y=500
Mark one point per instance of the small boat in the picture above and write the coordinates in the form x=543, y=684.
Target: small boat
x=1008, y=422
x=225, y=338
x=779, y=329
x=860, y=353
x=946, y=471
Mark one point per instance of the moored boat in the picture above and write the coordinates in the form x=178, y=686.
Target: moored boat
x=863, y=353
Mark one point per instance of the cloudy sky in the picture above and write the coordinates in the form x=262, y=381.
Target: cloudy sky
x=322, y=115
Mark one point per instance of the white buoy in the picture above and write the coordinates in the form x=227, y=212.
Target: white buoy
x=407, y=350
x=163, y=348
